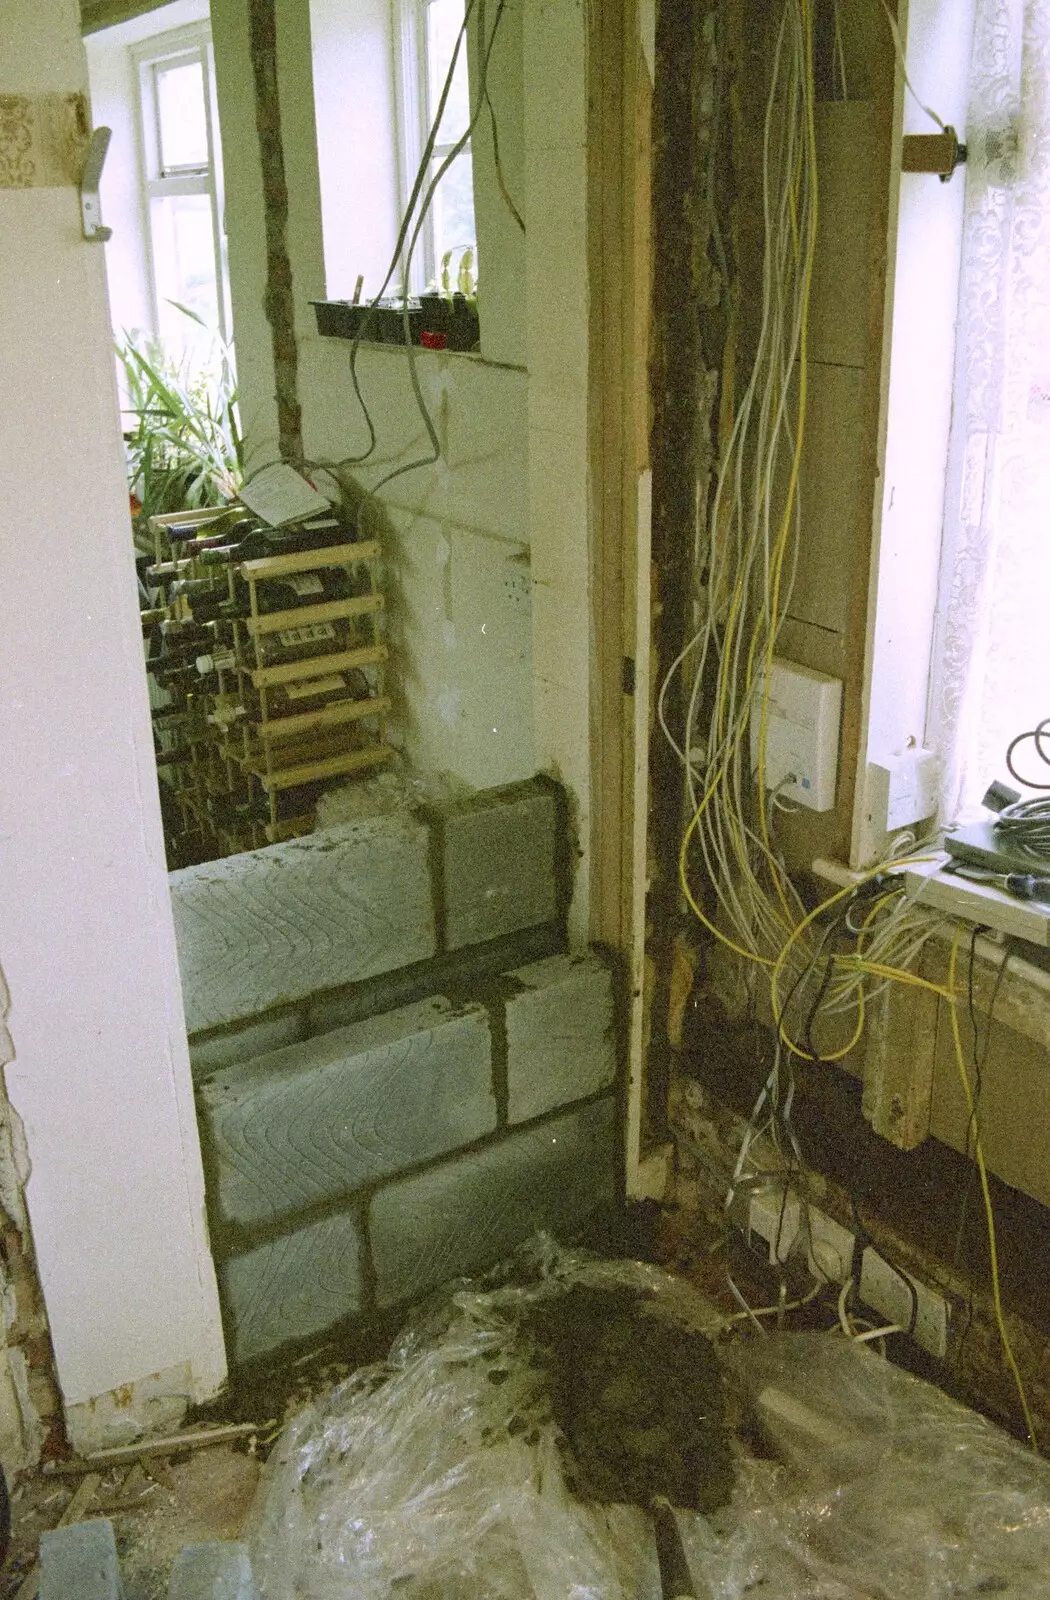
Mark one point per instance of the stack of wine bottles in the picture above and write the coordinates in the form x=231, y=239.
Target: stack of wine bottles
x=266, y=661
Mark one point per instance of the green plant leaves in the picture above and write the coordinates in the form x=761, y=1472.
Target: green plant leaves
x=185, y=449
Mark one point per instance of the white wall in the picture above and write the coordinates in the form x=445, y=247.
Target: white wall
x=114, y=104
x=923, y=290
x=478, y=697
x=100, y=1075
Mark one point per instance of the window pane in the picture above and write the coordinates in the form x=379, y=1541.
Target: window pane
x=184, y=268
x=444, y=20
x=182, y=122
x=453, y=214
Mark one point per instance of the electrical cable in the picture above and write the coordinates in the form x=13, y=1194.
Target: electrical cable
x=407, y=238
x=979, y=1058
x=1037, y=734
x=899, y=49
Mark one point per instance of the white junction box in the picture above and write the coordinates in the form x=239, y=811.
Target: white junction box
x=802, y=733
x=902, y=788
x=902, y=1298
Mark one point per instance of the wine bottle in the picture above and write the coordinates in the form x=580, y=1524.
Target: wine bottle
x=218, y=660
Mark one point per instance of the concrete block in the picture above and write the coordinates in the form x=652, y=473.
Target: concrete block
x=463, y=1216
x=292, y=1287
x=80, y=1562
x=498, y=855
x=561, y=1034
x=274, y=925
x=312, y=1123
x=456, y=973
x=230, y=1046
x=217, y=1570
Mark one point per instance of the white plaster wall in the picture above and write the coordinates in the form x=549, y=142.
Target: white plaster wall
x=456, y=534
x=556, y=306
x=100, y=1075
x=923, y=306
x=489, y=566
x=114, y=104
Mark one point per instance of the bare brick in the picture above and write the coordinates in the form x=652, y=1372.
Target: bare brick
x=274, y=925
x=561, y=1034
x=498, y=862
x=80, y=1562
x=464, y=1215
x=317, y=1120
x=294, y=1286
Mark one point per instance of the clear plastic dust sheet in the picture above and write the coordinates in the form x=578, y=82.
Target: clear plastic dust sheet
x=442, y=1473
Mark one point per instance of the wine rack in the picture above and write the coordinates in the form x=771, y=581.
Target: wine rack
x=268, y=678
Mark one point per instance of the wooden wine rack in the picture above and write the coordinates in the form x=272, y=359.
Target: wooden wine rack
x=239, y=771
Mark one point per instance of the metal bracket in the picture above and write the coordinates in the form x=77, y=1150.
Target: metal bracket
x=90, y=204
x=932, y=152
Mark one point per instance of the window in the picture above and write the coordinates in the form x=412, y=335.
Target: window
x=429, y=33
x=183, y=188
x=378, y=70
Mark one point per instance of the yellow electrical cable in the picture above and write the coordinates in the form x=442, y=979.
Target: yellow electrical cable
x=780, y=546
x=993, y=1250
x=844, y=1050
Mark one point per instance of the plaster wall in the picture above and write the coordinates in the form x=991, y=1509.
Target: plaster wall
x=100, y=1075
x=479, y=698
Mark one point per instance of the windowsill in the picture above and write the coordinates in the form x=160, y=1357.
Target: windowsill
x=977, y=903
x=421, y=353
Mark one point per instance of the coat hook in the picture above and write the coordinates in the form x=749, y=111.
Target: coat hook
x=90, y=204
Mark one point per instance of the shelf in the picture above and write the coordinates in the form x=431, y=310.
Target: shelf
x=307, y=770
x=317, y=666
x=333, y=555
x=334, y=716
x=301, y=616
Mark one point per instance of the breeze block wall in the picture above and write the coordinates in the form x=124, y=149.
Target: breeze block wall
x=401, y=1071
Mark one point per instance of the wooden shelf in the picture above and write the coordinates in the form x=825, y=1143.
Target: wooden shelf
x=227, y=774
x=302, y=616
x=334, y=716
x=310, y=769
x=334, y=555
x=318, y=666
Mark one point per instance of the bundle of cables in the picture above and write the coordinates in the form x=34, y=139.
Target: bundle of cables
x=823, y=966
x=1024, y=826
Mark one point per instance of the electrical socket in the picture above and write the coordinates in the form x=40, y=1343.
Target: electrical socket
x=885, y=1290
x=829, y=1249
x=775, y=1222
x=776, y=1227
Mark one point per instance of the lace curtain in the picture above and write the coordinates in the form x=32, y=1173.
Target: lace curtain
x=991, y=659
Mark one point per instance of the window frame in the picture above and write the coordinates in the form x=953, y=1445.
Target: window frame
x=164, y=50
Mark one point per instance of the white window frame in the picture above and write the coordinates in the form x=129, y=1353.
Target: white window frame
x=192, y=43
x=414, y=116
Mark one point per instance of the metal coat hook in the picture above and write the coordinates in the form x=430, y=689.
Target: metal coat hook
x=90, y=204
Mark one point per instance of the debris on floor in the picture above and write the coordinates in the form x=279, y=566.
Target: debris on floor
x=157, y=1506
x=493, y=1455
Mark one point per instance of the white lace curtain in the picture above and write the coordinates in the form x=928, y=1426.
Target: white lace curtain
x=991, y=661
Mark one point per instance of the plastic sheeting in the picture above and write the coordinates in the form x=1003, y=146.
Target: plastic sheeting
x=437, y=1475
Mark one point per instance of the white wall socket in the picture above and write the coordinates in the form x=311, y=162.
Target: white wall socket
x=802, y=733
x=885, y=1290
x=829, y=1249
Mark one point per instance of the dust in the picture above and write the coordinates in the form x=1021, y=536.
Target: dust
x=638, y=1397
